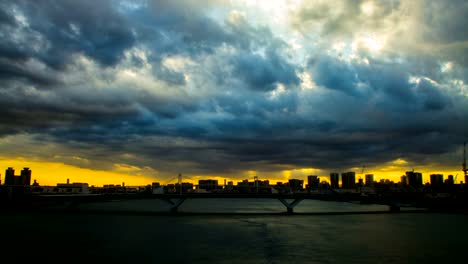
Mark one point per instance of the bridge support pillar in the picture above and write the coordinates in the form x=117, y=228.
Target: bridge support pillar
x=175, y=205
x=290, y=206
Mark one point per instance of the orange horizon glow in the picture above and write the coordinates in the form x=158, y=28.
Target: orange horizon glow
x=50, y=173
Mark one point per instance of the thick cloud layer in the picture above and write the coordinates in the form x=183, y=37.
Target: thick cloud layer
x=218, y=88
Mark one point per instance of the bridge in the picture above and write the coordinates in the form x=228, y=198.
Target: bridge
x=289, y=200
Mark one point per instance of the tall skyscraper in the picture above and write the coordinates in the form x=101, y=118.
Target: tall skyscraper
x=296, y=184
x=369, y=180
x=313, y=181
x=9, y=176
x=437, y=180
x=414, y=179
x=348, y=180
x=404, y=180
x=334, y=180
x=25, y=176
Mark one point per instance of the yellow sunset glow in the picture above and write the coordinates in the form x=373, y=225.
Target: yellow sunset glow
x=51, y=173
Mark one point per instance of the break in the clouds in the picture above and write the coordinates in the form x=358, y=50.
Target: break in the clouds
x=221, y=87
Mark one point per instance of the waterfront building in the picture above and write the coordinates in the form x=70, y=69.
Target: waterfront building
x=73, y=188
x=24, y=179
x=208, y=185
x=334, y=180
x=313, y=182
x=437, y=180
x=369, y=180
x=9, y=176
x=415, y=179
x=296, y=185
x=348, y=180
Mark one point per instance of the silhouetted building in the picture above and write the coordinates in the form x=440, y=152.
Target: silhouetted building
x=313, y=182
x=256, y=186
x=334, y=180
x=208, y=185
x=155, y=186
x=71, y=188
x=296, y=184
x=35, y=183
x=369, y=180
x=229, y=186
x=360, y=182
x=437, y=180
x=25, y=177
x=348, y=180
x=414, y=179
x=450, y=180
x=186, y=187
x=9, y=176
x=404, y=180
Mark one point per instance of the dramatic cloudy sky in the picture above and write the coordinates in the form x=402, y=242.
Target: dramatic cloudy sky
x=143, y=90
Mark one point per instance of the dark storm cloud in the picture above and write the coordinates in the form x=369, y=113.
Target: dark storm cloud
x=10, y=71
x=172, y=29
x=334, y=74
x=5, y=17
x=263, y=73
x=97, y=80
x=91, y=27
x=431, y=97
x=393, y=80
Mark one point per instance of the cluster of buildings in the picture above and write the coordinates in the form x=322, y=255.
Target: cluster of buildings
x=23, y=179
x=411, y=181
x=244, y=186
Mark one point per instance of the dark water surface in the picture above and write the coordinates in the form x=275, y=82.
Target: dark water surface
x=93, y=237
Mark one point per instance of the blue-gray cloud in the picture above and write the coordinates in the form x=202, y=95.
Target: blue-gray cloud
x=263, y=73
x=98, y=78
x=56, y=30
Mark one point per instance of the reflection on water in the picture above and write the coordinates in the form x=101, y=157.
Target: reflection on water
x=126, y=238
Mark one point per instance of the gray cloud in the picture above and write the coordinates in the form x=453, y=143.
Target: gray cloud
x=263, y=73
x=171, y=87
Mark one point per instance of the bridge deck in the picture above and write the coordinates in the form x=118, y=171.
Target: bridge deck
x=289, y=200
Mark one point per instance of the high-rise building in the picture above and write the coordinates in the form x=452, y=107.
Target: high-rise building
x=9, y=176
x=414, y=179
x=313, y=182
x=208, y=185
x=334, y=180
x=404, y=180
x=296, y=184
x=348, y=180
x=25, y=177
x=437, y=180
x=450, y=180
x=369, y=180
